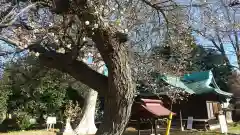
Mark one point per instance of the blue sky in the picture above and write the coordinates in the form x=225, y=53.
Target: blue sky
x=90, y=61
x=199, y=39
x=199, y=24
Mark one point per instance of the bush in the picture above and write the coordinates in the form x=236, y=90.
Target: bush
x=23, y=121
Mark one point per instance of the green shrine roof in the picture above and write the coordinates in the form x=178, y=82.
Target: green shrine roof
x=195, y=83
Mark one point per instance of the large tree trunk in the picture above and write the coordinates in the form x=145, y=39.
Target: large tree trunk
x=87, y=124
x=119, y=96
x=118, y=88
x=234, y=83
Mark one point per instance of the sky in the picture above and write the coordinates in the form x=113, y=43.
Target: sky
x=227, y=47
x=90, y=61
x=199, y=39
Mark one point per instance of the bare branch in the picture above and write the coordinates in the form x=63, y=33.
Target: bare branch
x=3, y=24
x=10, y=42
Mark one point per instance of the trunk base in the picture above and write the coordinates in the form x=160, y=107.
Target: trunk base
x=236, y=112
x=87, y=124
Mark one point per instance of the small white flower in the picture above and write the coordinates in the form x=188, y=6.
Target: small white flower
x=51, y=34
x=113, y=9
x=50, y=24
x=87, y=22
x=36, y=30
x=61, y=50
x=84, y=39
x=37, y=54
x=95, y=25
x=122, y=12
x=126, y=30
x=69, y=46
x=122, y=31
x=91, y=3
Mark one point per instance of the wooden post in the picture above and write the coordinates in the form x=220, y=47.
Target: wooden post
x=181, y=123
x=152, y=125
x=155, y=126
x=169, y=124
x=139, y=126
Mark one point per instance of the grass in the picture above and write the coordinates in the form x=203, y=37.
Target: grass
x=233, y=128
x=134, y=132
x=32, y=132
x=42, y=132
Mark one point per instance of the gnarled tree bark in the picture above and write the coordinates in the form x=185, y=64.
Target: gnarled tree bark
x=118, y=88
x=234, y=84
x=119, y=96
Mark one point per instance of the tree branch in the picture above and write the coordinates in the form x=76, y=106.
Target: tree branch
x=13, y=20
x=64, y=62
x=210, y=39
x=77, y=69
x=9, y=41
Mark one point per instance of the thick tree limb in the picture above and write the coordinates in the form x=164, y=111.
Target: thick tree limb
x=82, y=72
x=64, y=62
x=10, y=41
x=77, y=69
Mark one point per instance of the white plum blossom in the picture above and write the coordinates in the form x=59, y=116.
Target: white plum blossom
x=61, y=50
x=50, y=24
x=37, y=54
x=51, y=34
x=95, y=25
x=122, y=31
x=36, y=30
x=69, y=46
x=101, y=7
x=34, y=37
x=87, y=22
x=56, y=40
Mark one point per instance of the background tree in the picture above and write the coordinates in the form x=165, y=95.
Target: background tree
x=4, y=95
x=211, y=59
x=39, y=91
x=217, y=28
